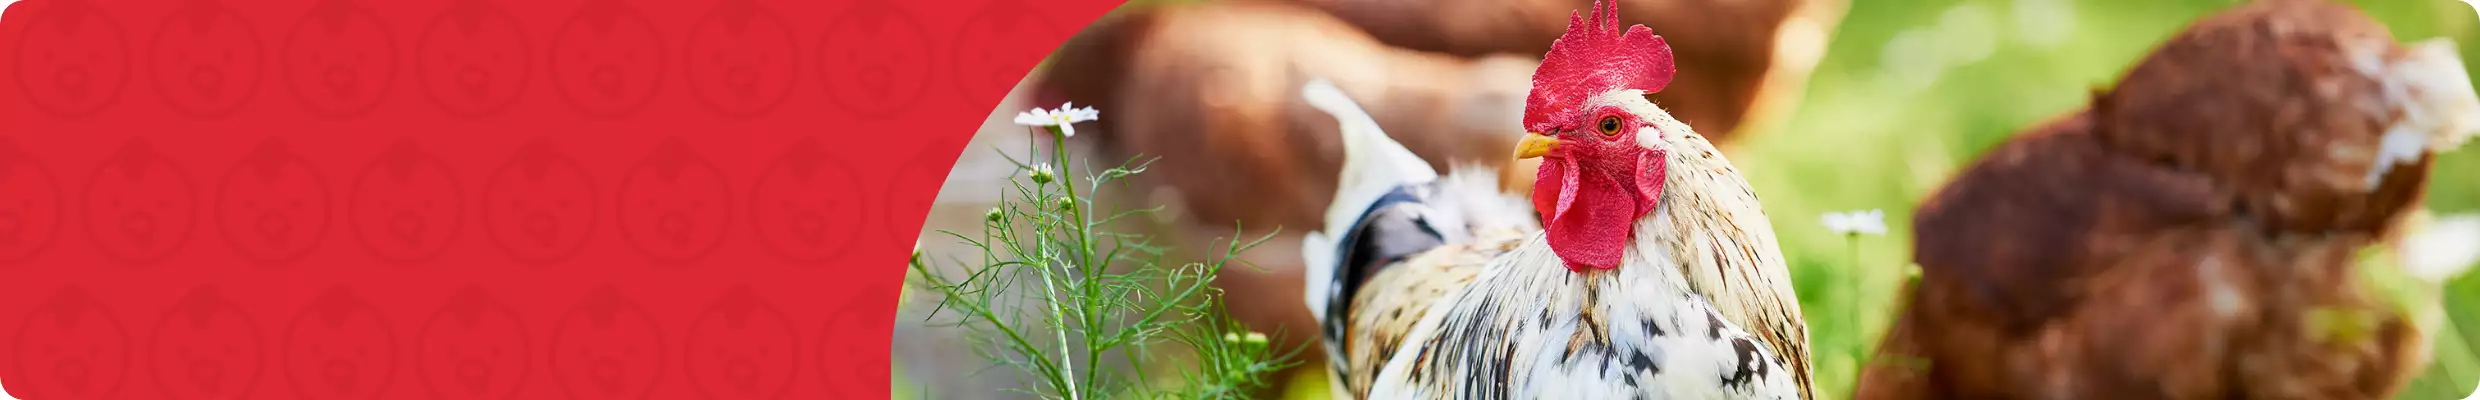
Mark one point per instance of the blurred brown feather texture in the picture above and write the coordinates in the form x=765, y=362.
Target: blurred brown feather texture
x=2192, y=234
x=1739, y=61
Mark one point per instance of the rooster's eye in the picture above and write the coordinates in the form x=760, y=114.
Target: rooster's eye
x=1610, y=126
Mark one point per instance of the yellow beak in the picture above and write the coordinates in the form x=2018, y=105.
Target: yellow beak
x=1535, y=145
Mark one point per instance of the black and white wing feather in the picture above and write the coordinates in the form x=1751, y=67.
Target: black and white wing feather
x=1391, y=207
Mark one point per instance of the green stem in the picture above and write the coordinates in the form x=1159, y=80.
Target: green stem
x=990, y=258
x=1084, y=249
x=1064, y=359
x=1050, y=285
x=1860, y=336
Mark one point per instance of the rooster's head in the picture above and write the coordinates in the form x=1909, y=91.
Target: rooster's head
x=1603, y=144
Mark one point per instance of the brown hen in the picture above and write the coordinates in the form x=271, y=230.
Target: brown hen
x=2193, y=233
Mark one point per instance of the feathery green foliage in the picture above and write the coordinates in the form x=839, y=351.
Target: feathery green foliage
x=1076, y=310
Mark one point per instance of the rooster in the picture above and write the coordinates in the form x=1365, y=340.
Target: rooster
x=1655, y=273
x=2192, y=233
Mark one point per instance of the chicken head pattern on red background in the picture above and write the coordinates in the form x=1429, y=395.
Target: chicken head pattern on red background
x=479, y=198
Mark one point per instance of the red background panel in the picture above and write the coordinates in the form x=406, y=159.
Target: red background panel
x=479, y=198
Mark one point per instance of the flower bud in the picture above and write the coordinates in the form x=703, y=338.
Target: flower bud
x=1042, y=174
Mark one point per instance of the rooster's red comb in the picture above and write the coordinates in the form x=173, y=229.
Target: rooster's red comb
x=1595, y=56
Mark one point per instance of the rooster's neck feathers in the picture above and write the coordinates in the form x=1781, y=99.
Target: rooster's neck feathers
x=1716, y=237
x=1700, y=190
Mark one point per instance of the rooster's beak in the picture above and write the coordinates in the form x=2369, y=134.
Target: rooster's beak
x=1535, y=145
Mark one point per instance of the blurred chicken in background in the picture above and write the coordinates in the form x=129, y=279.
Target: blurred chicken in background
x=2194, y=233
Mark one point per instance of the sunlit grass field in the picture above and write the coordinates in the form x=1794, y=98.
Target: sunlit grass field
x=1910, y=91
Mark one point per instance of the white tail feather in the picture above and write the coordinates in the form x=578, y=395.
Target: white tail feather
x=1372, y=165
x=1318, y=254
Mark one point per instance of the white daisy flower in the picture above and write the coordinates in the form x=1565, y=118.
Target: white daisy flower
x=1065, y=117
x=1871, y=222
